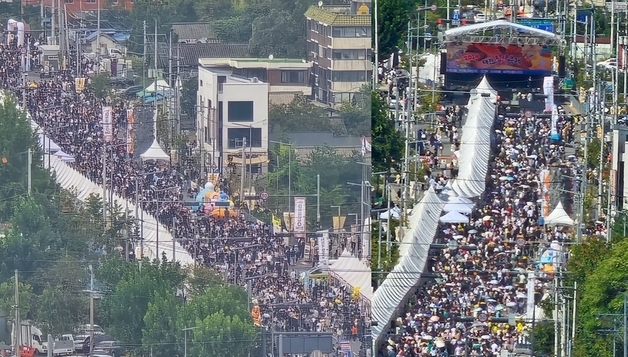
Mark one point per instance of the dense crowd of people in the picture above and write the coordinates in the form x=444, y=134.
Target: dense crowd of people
x=243, y=249
x=485, y=278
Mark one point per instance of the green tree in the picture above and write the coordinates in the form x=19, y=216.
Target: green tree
x=356, y=115
x=63, y=304
x=17, y=137
x=393, y=19
x=275, y=34
x=160, y=324
x=300, y=115
x=389, y=257
x=601, y=293
x=219, y=334
x=100, y=85
x=124, y=309
x=387, y=142
x=7, y=299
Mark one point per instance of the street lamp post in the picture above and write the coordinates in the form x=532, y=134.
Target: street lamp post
x=185, y=339
x=289, y=171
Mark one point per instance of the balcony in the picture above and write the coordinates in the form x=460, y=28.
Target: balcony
x=351, y=65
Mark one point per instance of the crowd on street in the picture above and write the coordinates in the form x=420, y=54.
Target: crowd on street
x=485, y=278
x=241, y=248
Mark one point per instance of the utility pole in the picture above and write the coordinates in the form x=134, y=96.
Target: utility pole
x=30, y=170
x=104, y=186
x=52, y=23
x=376, y=51
x=156, y=52
x=91, y=311
x=178, y=95
x=406, y=159
x=318, y=201
x=243, y=173
x=18, y=322
x=98, y=38
x=144, y=59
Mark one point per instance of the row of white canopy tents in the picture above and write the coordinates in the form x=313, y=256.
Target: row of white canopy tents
x=475, y=142
x=353, y=273
x=70, y=179
x=49, y=147
x=426, y=214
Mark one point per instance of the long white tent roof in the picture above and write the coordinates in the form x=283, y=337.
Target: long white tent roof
x=499, y=24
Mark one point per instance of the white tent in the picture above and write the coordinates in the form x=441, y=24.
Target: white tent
x=64, y=157
x=558, y=217
x=157, y=86
x=475, y=145
x=155, y=152
x=459, y=204
x=394, y=213
x=353, y=273
x=48, y=145
x=413, y=255
x=151, y=230
x=454, y=217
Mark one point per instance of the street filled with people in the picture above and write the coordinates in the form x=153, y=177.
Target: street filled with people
x=243, y=249
x=476, y=284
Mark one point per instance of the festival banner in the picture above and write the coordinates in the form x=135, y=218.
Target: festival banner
x=107, y=123
x=465, y=57
x=554, y=135
x=548, y=91
x=130, y=140
x=300, y=225
x=79, y=84
x=322, y=240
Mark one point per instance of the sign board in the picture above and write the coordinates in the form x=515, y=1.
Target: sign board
x=263, y=195
x=107, y=123
x=466, y=57
x=300, y=219
x=433, y=7
x=483, y=316
x=616, y=7
x=540, y=24
x=528, y=113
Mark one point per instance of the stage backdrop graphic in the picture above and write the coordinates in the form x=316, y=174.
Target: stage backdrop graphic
x=499, y=58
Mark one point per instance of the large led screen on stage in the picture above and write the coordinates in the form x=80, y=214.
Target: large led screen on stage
x=499, y=58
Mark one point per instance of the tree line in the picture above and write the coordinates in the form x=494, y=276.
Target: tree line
x=56, y=242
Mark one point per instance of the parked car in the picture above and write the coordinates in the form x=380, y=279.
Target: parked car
x=84, y=346
x=108, y=349
x=479, y=17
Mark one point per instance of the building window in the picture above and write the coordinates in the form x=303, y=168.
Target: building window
x=240, y=111
x=349, y=76
x=69, y=1
x=200, y=82
x=236, y=135
x=292, y=77
x=351, y=32
x=90, y=1
x=221, y=80
x=349, y=55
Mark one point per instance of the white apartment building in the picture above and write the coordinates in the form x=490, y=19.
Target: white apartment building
x=232, y=117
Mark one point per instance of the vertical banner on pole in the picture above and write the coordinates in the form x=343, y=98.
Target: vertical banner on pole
x=107, y=123
x=548, y=91
x=300, y=225
x=130, y=141
x=322, y=240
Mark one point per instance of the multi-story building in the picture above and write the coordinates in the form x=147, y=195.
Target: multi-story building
x=285, y=77
x=339, y=45
x=232, y=119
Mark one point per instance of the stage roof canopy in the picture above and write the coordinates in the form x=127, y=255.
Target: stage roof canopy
x=502, y=30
